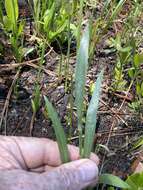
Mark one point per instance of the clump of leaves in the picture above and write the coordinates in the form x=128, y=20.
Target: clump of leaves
x=36, y=99
x=13, y=27
x=109, y=12
x=51, y=18
x=128, y=68
x=87, y=142
x=81, y=71
x=123, y=57
x=135, y=73
x=127, y=71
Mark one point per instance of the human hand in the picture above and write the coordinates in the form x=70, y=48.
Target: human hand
x=28, y=163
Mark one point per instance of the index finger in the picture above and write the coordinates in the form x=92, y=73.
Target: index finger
x=36, y=152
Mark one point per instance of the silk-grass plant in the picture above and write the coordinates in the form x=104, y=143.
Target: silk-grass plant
x=86, y=143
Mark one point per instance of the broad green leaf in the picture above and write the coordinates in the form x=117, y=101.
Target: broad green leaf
x=48, y=16
x=11, y=7
x=126, y=49
x=20, y=28
x=7, y=23
x=112, y=180
x=59, y=30
x=138, y=60
x=135, y=181
x=81, y=72
x=60, y=135
x=91, y=117
x=131, y=72
x=73, y=29
x=138, y=89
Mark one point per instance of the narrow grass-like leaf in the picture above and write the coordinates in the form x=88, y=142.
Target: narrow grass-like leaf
x=138, y=143
x=80, y=17
x=80, y=78
x=117, y=9
x=91, y=117
x=60, y=135
x=113, y=181
x=106, y=4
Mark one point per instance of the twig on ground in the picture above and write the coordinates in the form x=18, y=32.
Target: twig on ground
x=31, y=63
x=109, y=136
x=32, y=123
x=126, y=95
x=116, y=114
x=5, y=109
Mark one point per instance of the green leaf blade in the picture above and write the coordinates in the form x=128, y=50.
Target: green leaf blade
x=135, y=181
x=91, y=117
x=117, y=9
x=11, y=7
x=80, y=79
x=81, y=71
x=60, y=135
x=112, y=180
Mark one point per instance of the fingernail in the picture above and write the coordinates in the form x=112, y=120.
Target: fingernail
x=88, y=171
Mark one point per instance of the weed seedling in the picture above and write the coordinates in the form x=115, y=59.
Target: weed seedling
x=12, y=27
x=36, y=101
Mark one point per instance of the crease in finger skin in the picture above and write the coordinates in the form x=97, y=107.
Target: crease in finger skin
x=8, y=159
x=11, y=156
x=23, y=162
x=42, y=169
x=19, y=180
x=72, y=176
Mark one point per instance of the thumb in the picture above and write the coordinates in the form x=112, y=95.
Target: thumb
x=71, y=176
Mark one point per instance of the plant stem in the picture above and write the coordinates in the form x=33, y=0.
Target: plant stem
x=68, y=54
x=71, y=104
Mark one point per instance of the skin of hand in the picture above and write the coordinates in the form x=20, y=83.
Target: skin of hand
x=28, y=163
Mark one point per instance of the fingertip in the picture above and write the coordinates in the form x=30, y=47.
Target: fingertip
x=95, y=158
x=73, y=152
x=83, y=172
